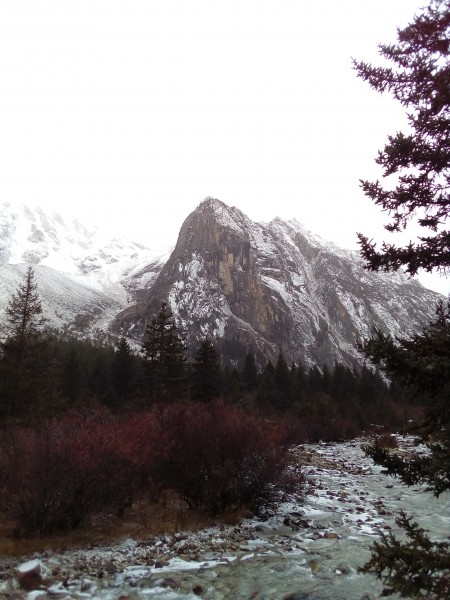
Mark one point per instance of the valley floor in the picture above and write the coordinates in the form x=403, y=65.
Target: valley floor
x=310, y=547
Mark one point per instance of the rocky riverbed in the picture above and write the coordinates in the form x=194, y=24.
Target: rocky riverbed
x=309, y=548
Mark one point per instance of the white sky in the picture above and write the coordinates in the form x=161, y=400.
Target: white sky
x=127, y=114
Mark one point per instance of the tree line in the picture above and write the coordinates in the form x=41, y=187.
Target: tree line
x=45, y=374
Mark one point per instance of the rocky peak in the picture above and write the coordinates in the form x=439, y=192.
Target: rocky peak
x=246, y=285
x=275, y=285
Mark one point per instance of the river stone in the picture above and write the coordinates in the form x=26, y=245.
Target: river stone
x=57, y=591
x=315, y=566
x=331, y=535
x=299, y=596
x=344, y=569
x=86, y=584
x=30, y=575
x=30, y=596
x=168, y=582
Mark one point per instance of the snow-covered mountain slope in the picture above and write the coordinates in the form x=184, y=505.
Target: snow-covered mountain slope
x=68, y=306
x=84, y=279
x=276, y=286
x=247, y=285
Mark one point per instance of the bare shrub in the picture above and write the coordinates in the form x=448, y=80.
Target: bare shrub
x=145, y=446
x=57, y=472
x=220, y=458
x=387, y=440
x=330, y=430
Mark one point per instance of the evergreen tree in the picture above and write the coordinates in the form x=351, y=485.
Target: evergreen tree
x=23, y=354
x=231, y=381
x=266, y=393
x=250, y=372
x=72, y=378
x=315, y=380
x=418, y=566
x=165, y=358
x=124, y=372
x=421, y=364
x=300, y=385
x=343, y=385
x=283, y=386
x=420, y=80
x=205, y=372
x=99, y=378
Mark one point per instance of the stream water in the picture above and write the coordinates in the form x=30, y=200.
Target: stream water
x=310, y=548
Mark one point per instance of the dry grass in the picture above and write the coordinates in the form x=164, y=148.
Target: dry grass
x=142, y=520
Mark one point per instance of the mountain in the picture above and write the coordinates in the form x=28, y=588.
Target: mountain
x=246, y=285
x=275, y=286
x=83, y=278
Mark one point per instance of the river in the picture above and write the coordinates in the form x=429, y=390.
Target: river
x=309, y=548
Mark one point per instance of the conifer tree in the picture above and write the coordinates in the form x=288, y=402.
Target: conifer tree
x=421, y=364
x=250, y=372
x=343, y=390
x=165, y=359
x=267, y=392
x=283, y=384
x=99, y=378
x=420, y=159
x=314, y=380
x=231, y=381
x=205, y=372
x=72, y=378
x=300, y=384
x=23, y=365
x=123, y=373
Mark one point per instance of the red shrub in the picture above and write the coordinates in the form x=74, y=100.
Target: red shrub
x=387, y=440
x=144, y=444
x=330, y=430
x=219, y=458
x=56, y=473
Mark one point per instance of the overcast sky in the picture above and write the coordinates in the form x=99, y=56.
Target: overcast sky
x=127, y=114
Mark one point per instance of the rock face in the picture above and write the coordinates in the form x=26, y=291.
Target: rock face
x=245, y=285
x=270, y=286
